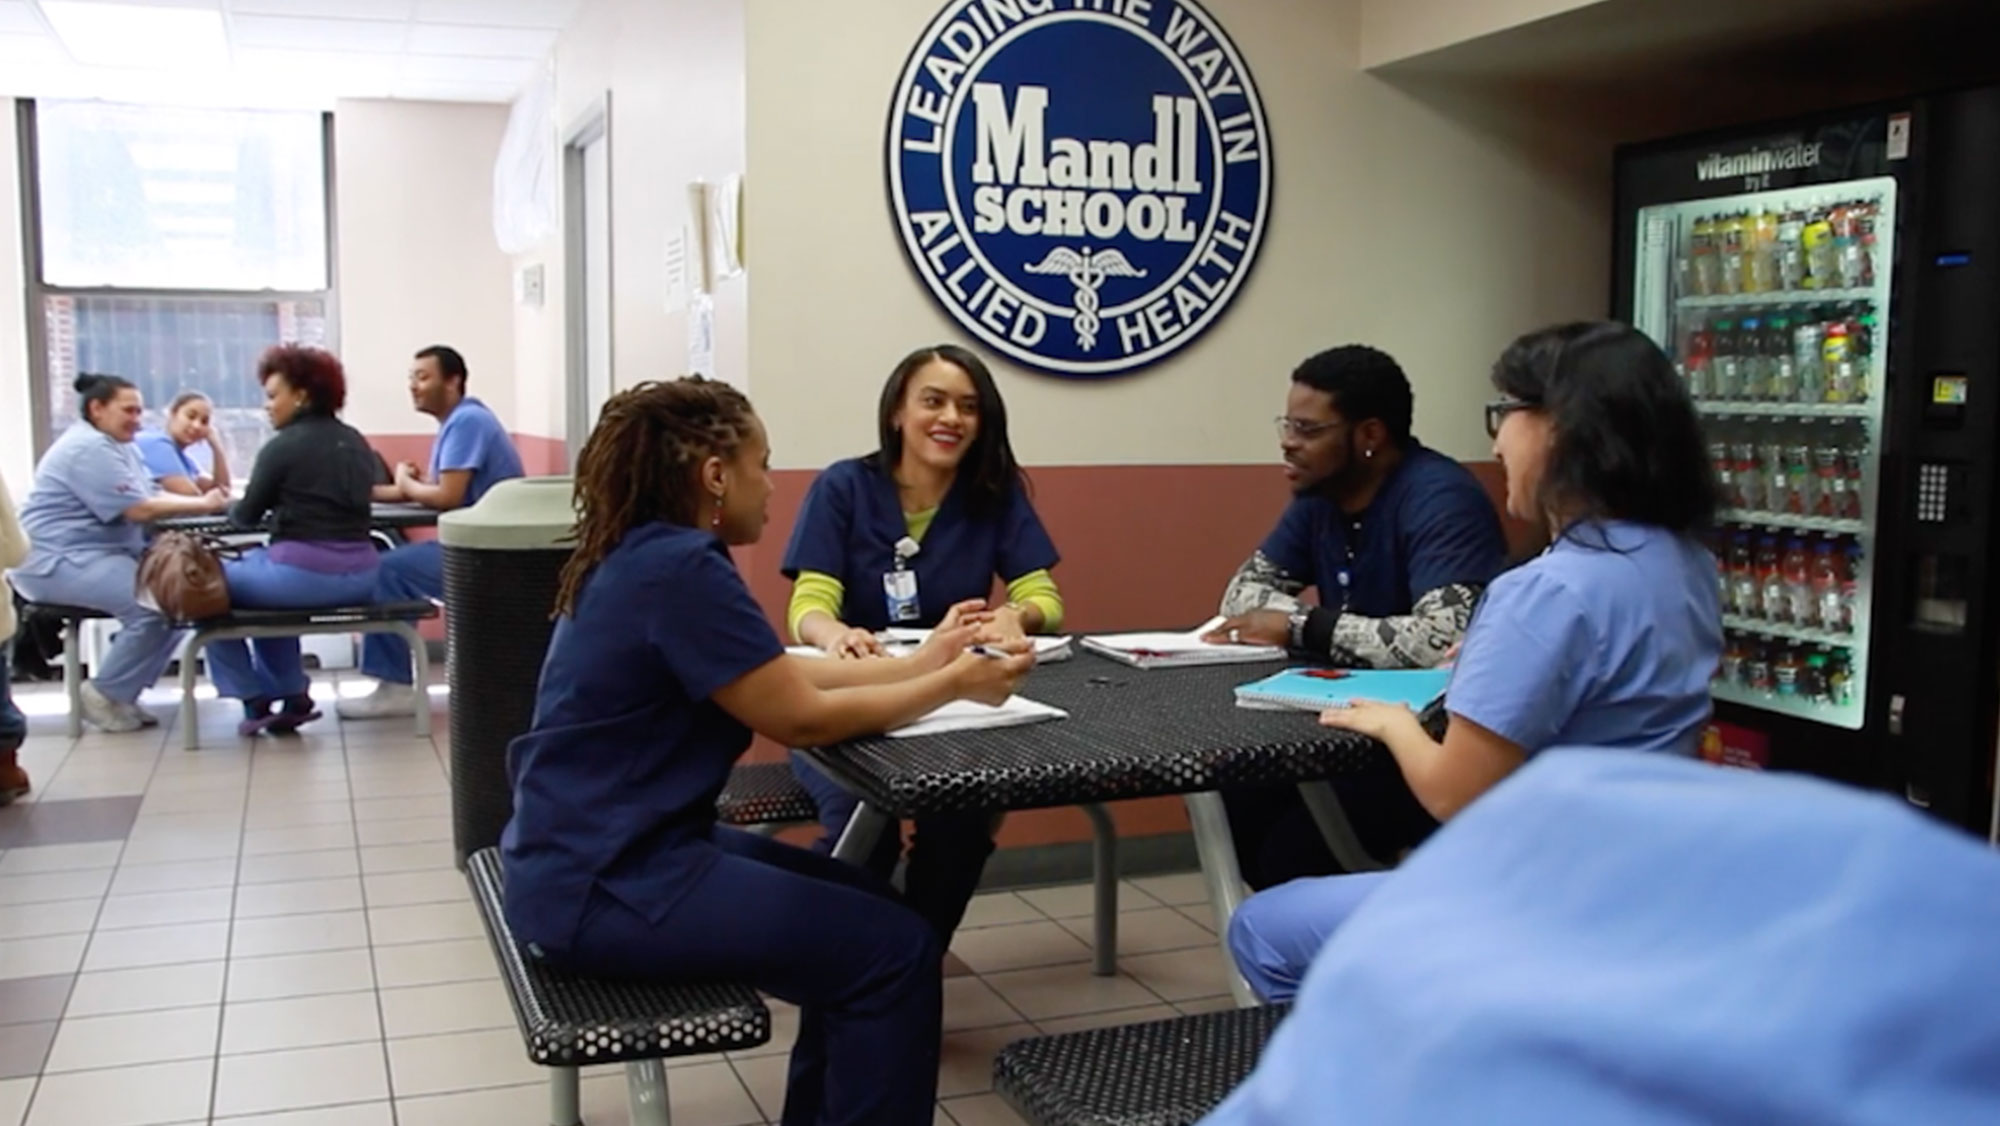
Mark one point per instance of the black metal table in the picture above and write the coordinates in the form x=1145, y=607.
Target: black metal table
x=389, y=517
x=1131, y=733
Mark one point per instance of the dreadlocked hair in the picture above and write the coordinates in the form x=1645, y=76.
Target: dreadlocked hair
x=638, y=465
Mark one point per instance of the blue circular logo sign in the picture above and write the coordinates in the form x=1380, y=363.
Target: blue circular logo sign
x=1083, y=184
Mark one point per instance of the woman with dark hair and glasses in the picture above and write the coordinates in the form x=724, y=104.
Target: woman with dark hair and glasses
x=1608, y=639
x=904, y=536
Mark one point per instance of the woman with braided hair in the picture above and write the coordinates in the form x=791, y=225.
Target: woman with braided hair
x=660, y=667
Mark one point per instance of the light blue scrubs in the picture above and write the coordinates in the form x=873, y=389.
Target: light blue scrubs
x=473, y=438
x=1609, y=639
x=164, y=457
x=1620, y=938
x=87, y=554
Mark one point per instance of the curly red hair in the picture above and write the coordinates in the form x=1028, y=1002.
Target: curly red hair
x=314, y=371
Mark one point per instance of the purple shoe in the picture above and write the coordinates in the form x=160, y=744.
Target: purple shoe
x=293, y=714
x=256, y=717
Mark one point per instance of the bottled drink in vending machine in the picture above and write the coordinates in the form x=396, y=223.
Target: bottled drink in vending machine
x=1757, y=669
x=1697, y=356
x=1791, y=251
x=1773, y=605
x=1829, y=479
x=1734, y=653
x=1719, y=459
x=1777, y=482
x=1745, y=598
x=1781, y=372
x=1761, y=271
x=1828, y=575
x=1726, y=368
x=1808, y=355
x=1822, y=264
x=1854, y=457
x=1730, y=231
x=1749, y=485
x=1812, y=681
x=1850, y=589
x=1785, y=670
x=1750, y=357
x=1702, y=256
x=1837, y=354
x=1862, y=343
x=1854, y=241
x=1796, y=567
x=1799, y=491
x=1839, y=680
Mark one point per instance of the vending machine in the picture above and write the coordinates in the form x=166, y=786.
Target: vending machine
x=1829, y=289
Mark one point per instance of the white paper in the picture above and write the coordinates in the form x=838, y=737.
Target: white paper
x=1179, y=649
x=725, y=232
x=677, y=270
x=903, y=642
x=701, y=336
x=965, y=715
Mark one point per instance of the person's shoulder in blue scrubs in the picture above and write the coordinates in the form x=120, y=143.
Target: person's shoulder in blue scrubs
x=1609, y=639
x=1710, y=945
x=1398, y=539
x=660, y=667
x=928, y=521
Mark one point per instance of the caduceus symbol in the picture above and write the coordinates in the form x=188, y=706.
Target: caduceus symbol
x=1086, y=271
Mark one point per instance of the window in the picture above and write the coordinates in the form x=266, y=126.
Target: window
x=172, y=246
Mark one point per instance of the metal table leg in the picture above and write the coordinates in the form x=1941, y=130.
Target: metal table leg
x=1226, y=891
x=857, y=841
x=646, y=1093
x=1104, y=873
x=565, y=1097
x=1338, y=831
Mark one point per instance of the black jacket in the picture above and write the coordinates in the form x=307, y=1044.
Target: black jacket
x=315, y=478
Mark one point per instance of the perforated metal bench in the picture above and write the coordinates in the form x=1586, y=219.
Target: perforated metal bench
x=1159, y=1073
x=72, y=618
x=382, y=617
x=568, y=1022
x=765, y=797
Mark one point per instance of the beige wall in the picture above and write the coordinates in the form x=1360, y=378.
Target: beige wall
x=417, y=258
x=674, y=73
x=1434, y=227
x=1393, y=30
x=17, y=450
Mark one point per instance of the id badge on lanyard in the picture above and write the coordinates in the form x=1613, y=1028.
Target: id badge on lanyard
x=899, y=586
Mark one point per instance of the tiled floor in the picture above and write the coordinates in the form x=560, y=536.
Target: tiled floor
x=271, y=934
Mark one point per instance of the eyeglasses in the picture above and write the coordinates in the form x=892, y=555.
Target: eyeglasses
x=1498, y=410
x=1301, y=428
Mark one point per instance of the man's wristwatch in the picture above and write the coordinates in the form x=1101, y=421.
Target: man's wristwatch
x=1296, y=626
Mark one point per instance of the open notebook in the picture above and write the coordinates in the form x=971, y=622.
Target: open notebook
x=1048, y=650
x=966, y=715
x=1302, y=690
x=1177, y=650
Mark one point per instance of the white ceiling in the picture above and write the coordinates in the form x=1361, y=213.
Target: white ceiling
x=287, y=53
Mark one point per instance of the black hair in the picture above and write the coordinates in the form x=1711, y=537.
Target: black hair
x=1628, y=444
x=95, y=388
x=989, y=472
x=1364, y=383
x=450, y=363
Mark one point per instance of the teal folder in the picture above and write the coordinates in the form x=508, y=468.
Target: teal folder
x=1300, y=690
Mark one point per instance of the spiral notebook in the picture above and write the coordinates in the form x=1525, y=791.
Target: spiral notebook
x=1314, y=690
x=1177, y=650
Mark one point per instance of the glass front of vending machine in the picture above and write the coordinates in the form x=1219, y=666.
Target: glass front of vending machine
x=1774, y=306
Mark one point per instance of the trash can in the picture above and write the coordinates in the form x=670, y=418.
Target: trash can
x=503, y=561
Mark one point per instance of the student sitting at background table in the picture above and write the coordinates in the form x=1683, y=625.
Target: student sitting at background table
x=1399, y=540
x=13, y=725
x=313, y=479
x=899, y=538
x=86, y=514
x=660, y=666
x=1608, y=639
x=472, y=454
x=190, y=422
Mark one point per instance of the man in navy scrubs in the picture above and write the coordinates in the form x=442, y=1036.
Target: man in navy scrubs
x=1399, y=541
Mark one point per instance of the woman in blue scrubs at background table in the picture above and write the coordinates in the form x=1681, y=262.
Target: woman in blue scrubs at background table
x=660, y=667
x=1608, y=639
x=899, y=538
x=190, y=420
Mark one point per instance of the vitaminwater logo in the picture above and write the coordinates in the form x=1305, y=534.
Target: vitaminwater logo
x=1083, y=184
x=1756, y=162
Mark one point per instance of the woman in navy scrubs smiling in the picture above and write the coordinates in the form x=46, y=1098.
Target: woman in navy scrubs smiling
x=903, y=537
x=660, y=667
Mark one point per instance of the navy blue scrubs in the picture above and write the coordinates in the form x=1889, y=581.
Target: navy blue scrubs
x=615, y=865
x=848, y=528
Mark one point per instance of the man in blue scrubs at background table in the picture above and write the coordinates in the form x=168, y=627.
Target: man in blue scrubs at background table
x=471, y=455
